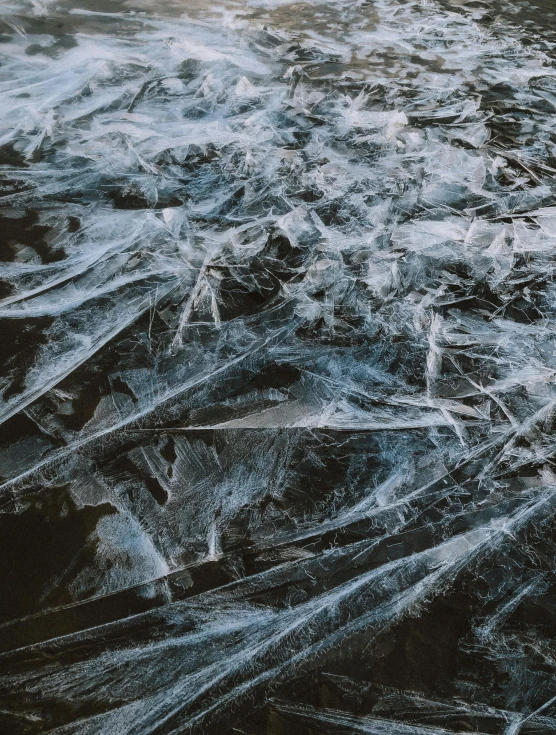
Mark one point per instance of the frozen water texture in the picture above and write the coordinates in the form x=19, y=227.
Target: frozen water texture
x=278, y=388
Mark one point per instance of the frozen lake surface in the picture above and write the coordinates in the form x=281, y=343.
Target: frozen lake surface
x=278, y=340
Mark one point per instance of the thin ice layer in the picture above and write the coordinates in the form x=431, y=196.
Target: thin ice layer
x=279, y=365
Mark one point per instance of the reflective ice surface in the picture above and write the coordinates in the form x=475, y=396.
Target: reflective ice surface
x=279, y=356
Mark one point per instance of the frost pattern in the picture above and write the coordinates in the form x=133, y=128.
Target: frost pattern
x=278, y=390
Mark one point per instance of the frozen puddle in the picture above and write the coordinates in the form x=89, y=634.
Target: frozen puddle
x=279, y=349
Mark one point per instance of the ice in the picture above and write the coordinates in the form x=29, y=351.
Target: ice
x=278, y=399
